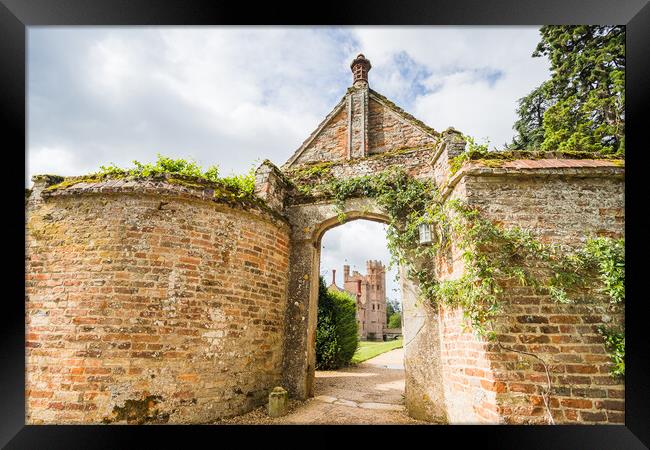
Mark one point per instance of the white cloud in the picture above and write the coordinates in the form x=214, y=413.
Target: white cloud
x=459, y=60
x=54, y=160
x=226, y=96
x=232, y=95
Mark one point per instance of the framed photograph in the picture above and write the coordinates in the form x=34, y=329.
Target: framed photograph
x=409, y=215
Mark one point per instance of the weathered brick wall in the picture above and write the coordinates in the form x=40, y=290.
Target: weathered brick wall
x=448, y=377
x=469, y=382
x=330, y=144
x=151, y=304
x=485, y=383
x=387, y=131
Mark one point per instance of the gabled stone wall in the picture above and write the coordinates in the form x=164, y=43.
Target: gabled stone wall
x=387, y=130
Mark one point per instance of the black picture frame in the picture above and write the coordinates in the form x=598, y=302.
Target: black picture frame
x=17, y=15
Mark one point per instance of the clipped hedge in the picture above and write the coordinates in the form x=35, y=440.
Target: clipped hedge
x=337, y=329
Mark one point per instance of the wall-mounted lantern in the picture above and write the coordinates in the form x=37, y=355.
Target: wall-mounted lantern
x=426, y=233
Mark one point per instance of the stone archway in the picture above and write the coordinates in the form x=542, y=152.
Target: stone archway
x=424, y=394
x=310, y=222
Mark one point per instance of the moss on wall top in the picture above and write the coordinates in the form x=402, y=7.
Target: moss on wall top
x=169, y=183
x=499, y=158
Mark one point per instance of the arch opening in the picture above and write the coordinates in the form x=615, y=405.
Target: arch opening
x=353, y=260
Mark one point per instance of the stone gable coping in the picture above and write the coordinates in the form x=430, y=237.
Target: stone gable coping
x=581, y=168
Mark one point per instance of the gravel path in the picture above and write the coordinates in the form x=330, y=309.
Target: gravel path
x=369, y=393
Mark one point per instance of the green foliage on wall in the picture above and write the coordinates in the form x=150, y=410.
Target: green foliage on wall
x=336, y=329
x=244, y=185
x=496, y=158
x=615, y=343
x=490, y=252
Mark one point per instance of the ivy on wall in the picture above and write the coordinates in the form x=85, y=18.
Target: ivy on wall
x=492, y=254
x=233, y=189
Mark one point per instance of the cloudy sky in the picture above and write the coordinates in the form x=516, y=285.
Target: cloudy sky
x=233, y=96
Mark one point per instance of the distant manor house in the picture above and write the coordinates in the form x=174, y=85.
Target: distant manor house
x=370, y=293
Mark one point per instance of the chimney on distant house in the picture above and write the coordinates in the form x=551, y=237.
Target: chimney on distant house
x=333, y=276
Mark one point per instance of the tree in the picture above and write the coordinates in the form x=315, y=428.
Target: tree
x=582, y=106
x=395, y=321
x=336, y=329
x=392, y=307
x=530, y=125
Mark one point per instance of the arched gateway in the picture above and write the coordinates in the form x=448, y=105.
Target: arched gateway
x=161, y=301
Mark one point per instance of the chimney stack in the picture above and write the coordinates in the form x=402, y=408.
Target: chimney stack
x=360, y=67
x=334, y=276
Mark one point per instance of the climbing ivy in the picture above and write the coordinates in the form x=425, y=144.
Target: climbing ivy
x=491, y=252
x=615, y=343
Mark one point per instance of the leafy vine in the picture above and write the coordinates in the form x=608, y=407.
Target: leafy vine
x=490, y=252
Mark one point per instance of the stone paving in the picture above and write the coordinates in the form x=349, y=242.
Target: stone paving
x=369, y=393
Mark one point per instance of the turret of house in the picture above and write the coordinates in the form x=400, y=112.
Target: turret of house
x=370, y=292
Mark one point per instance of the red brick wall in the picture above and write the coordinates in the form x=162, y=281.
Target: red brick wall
x=152, y=308
x=387, y=132
x=331, y=143
x=484, y=383
x=469, y=384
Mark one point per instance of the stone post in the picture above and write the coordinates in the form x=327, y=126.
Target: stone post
x=41, y=182
x=270, y=185
x=278, y=399
x=454, y=142
x=451, y=146
x=424, y=392
x=300, y=325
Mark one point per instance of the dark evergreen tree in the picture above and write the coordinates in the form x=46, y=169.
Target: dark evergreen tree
x=582, y=106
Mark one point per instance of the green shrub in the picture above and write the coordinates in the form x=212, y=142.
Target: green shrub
x=163, y=165
x=337, y=329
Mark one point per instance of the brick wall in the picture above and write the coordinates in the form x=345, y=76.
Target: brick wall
x=485, y=383
x=387, y=131
x=330, y=144
x=469, y=384
x=150, y=307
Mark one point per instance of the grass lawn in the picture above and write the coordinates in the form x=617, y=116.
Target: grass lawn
x=370, y=349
